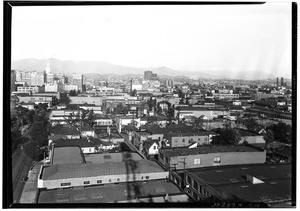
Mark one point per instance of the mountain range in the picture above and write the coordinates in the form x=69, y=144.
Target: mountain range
x=68, y=67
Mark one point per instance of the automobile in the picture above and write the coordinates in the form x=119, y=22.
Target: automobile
x=24, y=179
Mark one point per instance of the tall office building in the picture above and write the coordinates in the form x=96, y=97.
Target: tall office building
x=19, y=76
x=277, y=81
x=149, y=76
x=282, y=81
x=77, y=79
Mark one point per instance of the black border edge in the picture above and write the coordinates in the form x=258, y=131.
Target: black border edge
x=294, y=100
x=7, y=197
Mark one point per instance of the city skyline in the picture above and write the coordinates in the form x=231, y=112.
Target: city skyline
x=234, y=38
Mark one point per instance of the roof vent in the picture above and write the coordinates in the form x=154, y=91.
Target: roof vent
x=253, y=180
x=272, y=183
x=233, y=180
x=244, y=186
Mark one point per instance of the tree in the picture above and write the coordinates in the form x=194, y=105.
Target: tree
x=133, y=93
x=73, y=93
x=226, y=136
x=269, y=137
x=282, y=132
x=64, y=99
x=251, y=124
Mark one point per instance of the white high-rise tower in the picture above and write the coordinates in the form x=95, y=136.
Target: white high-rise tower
x=48, y=71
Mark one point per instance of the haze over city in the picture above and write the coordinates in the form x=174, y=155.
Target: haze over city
x=239, y=39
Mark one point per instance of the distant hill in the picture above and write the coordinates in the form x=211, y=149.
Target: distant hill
x=68, y=67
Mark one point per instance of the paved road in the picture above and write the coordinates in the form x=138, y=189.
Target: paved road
x=20, y=167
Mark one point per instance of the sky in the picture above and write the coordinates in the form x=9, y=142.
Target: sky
x=233, y=38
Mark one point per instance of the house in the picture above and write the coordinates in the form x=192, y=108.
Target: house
x=29, y=105
x=208, y=155
x=87, y=131
x=86, y=145
x=63, y=131
x=101, y=120
x=150, y=148
x=250, y=137
x=283, y=155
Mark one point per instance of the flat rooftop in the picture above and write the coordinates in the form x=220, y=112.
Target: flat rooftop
x=82, y=170
x=111, y=157
x=67, y=155
x=116, y=193
x=205, y=149
x=231, y=181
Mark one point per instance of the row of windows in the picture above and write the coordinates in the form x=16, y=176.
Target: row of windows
x=191, y=140
x=199, y=189
x=98, y=181
x=197, y=161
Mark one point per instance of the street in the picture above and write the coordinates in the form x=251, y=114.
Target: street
x=20, y=167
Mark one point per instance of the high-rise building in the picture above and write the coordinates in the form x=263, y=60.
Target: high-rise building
x=148, y=76
x=77, y=79
x=277, y=81
x=18, y=76
x=48, y=70
x=282, y=81
x=61, y=78
x=26, y=77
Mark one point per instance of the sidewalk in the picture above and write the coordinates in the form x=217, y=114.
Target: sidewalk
x=30, y=190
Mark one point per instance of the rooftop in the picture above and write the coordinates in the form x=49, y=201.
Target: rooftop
x=115, y=193
x=205, y=149
x=200, y=133
x=67, y=155
x=111, y=157
x=64, y=130
x=80, y=170
x=231, y=181
x=82, y=142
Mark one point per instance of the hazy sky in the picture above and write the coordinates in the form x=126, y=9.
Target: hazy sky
x=203, y=37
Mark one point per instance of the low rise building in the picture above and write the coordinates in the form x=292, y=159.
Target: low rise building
x=258, y=183
x=206, y=156
x=186, y=139
x=88, y=100
x=81, y=175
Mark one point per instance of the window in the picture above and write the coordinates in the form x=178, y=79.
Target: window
x=217, y=159
x=167, y=160
x=161, y=156
x=109, y=180
x=142, y=177
x=118, y=179
x=86, y=182
x=200, y=189
x=99, y=181
x=197, y=161
x=195, y=185
x=154, y=147
x=189, y=180
x=183, y=140
x=147, y=177
x=194, y=195
x=65, y=184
